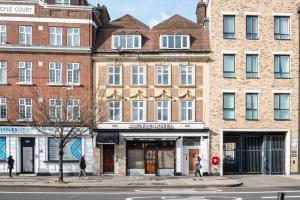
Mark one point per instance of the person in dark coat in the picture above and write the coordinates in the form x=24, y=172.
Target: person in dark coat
x=10, y=164
x=82, y=166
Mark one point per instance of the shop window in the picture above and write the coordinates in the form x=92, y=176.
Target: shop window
x=191, y=141
x=72, y=150
x=166, y=159
x=2, y=148
x=136, y=159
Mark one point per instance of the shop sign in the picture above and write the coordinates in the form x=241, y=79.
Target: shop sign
x=151, y=126
x=17, y=9
x=14, y=130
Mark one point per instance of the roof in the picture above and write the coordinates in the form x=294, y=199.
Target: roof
x=177, y=22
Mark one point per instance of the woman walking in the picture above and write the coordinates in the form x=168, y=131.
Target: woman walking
x=82, y=166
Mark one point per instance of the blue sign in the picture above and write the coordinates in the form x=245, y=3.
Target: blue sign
x=14, y=130
x=2, y=148
x=72, y=150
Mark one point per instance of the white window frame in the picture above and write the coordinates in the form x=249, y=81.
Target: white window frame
x=162, y=109
x=73, y=35
x=116, y=39
x=185, y=68
x=187, y=111
x=161, y=38
x=54, y=31
x=113, y=108
x=73, y=68
x=139, y=108
x=162, y=73
x=26, y=69
x=26, y=104
x=26, y=33
x=54, y=103
x=53, y=66
x=3, y=105
x=3, y=34
x=64, y=2
x=113, y=74
x=71, y=105
x=138, y=74
x=3, y=72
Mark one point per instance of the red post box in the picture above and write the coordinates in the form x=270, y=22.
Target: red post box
x=215, y=160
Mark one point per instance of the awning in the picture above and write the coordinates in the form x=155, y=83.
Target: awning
x=107, y=138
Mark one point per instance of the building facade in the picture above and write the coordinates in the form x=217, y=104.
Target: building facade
x=254, y=90
x=155, y=83
x=45, y=53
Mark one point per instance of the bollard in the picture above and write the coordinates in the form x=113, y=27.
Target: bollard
x=280, y=196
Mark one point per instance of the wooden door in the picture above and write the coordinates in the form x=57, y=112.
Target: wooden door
x=150, y=160
x=193, y=154
x=108, y=158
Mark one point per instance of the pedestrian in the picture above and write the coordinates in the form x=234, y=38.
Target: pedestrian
x=198, y=168
x=82, y=166
x=10, y=164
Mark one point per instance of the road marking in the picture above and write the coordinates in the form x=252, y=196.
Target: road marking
x=275, y=197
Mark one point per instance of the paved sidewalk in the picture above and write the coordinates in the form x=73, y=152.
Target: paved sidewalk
x=120, y=182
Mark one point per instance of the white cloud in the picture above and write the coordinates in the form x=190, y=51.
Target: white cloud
x=154, y=21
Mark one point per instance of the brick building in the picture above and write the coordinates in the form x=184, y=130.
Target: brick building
x=45, y=54
x=155, y=82
x=253, y=108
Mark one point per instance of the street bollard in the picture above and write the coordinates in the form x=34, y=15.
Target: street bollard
x=280, y=196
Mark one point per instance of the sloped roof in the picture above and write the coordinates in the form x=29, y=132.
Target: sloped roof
x=177, y=22
x=129, y=22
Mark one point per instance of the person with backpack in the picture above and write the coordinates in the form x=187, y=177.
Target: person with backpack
x=82, y=166
x=10, y=164
x=198, y=168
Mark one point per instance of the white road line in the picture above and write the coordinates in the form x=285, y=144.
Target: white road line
x=275, y=197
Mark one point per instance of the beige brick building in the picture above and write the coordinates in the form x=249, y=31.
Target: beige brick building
x=253, y=86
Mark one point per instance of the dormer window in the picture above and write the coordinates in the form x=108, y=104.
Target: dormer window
x=64, y=2
x=120, y=42
x=174, y=41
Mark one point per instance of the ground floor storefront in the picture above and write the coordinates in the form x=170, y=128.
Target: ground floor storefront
x=37, y=153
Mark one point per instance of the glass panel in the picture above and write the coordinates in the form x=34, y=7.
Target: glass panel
x=166, y=159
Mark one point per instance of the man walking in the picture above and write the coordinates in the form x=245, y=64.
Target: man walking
x=82, y=166
x=10, y=164
x=198, y=168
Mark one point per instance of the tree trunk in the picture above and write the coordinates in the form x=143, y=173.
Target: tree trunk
x=60, y=162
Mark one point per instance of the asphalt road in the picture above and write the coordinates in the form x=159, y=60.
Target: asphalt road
x=146, y=194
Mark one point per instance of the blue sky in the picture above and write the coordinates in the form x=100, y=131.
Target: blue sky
x=150, y=12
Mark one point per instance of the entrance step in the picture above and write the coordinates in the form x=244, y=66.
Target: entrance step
x=27, y=175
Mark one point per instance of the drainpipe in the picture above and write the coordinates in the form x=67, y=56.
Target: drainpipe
x=298, y=10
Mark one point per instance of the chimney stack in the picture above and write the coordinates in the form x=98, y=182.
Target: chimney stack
x=201, y=12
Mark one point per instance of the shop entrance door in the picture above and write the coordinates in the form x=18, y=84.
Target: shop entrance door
x=150, y=159
x=108, y=158
x=193, y=154
x=27, y=155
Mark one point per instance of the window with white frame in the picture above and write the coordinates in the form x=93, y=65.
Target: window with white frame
x=281, y=106
x=162, y=75
x=25, y=109
x=55, y=36
x=229, y=65
x=282, y=66
x=2, y=34
x=114, y=75
x=3, y=72
x=252, y=27
x=126, y=42
x=228, y=26
x=186, y=110
x=25, y=35
x=186, y=75
x=282, y=27
x=64, y=2
x=174, y=41
x=73, y=77
x=55, y=109
x=114, y=109
x=73, y=109
x=138, y=109
x=25, y=72
x=73, y=37
x=162, y=110
x=3, y=109
x=252, y=66
x=138, y=75
x=55, y=73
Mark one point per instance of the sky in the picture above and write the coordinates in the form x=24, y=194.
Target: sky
x=150, y=12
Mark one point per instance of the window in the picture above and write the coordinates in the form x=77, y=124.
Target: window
x=186, y=110
x=55, y=73
x=120, y=42
x=73, y=37
x=186, y=75
x=114, y=75
x=162, y=110
x=2, y=34
x=56, y=36
x=73, y=109
x=3, y=72
x=25, y=109
x=174, y=41
x=138, y=111
x=3, y=149
x=252, y=66
x=25, y=35
x=281, y=106
x=162, y=74
x=138, y=75
x=229, y=65
x=72, y=150
x=73, y=77
x=55, y=109
x=62, y=2
x=252, y=27
x=3, y=109
x=251, y=106
x=114, y=108
x=282, y=28
x=228, y=106
x=282, y=66
x=25, y=72
x=229, y=26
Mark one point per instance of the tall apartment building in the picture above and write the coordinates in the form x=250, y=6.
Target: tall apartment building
x=253, y=93
x=155, y=83
x=45, y=51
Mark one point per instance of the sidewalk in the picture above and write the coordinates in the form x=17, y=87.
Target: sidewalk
x=120, y=182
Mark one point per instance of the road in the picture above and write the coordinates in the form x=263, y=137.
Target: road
x=238, y=193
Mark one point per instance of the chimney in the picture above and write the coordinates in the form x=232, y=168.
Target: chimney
x=104, y=15
x=201, y=12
